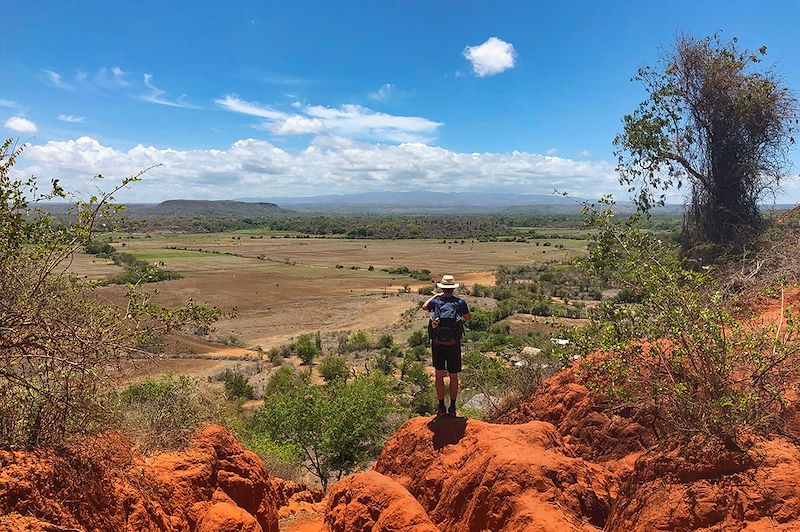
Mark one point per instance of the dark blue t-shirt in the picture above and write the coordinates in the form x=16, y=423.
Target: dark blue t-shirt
x=462, y=305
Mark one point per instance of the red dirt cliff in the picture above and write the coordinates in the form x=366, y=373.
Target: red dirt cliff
x=99, y=485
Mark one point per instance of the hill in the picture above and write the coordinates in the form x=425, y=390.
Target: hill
x=207, y=208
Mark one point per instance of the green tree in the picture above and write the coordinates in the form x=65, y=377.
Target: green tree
x=60, y=345
x=334, y=367
x=338, y=427
x=716, y=123
x=306, y=348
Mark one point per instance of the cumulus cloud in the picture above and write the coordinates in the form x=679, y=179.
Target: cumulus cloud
x=20, y=125
x=71, y=119
x=257, y=168
x=157, y=95
x=298, y=125
x=492, y=57
x=348, y=120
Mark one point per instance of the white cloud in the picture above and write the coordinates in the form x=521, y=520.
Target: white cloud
x=156, y=95
x=8, y=103
x=57, y=81
x=492, y=57
x=384, y=93
x=111, y=78
x=298, y=125
x=71, y=119
x=20, y=125
x=349, y=120
x=257, y=168
x=551, y=151
x=584, y=153
x=231, y=102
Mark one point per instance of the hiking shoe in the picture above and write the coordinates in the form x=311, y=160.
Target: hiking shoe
x=441, y=411
x=452, y=410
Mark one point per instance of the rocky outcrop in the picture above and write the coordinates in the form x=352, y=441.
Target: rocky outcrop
x=295, y=498
x=100, y=485
x=580, y=418
x=470, y=475
x=371, y=501
x=701, y=487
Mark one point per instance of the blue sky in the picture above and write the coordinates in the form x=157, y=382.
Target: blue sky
x=300, y=98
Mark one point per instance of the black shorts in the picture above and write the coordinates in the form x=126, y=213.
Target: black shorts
x=447, y=357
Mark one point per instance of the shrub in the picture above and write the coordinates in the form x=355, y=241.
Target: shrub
x=487, y=375
x=275, y=356
x=358, y=341
x=163, y=414
x=679, y=356
x=385, y=360
x=284, y=380
x=419, y=337
x=386, y=341
x=306, y=348
x=334, y=367
x=236, y=386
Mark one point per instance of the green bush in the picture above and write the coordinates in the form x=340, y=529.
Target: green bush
x=419, y=337
x=163, y=414
x=306, y=347
x=285, y=379
x=679, y=357
x=358, y=341
x=334, y=367
x=386, y=341
x=338, y=427
x=236, y=386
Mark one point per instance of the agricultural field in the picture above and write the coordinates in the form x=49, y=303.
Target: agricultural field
x=279, y=287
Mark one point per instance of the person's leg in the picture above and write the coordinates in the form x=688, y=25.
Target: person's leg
x=453, y=368
x=440, y=366
x=440, y=384
x=453, y=388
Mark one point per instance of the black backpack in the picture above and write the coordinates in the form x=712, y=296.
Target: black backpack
x=445, y=327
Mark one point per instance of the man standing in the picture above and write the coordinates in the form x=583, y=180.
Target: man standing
x=445, y=329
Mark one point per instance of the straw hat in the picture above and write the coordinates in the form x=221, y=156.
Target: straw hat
x=448, y=281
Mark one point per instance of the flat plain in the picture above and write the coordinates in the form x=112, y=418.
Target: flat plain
x=279, y=287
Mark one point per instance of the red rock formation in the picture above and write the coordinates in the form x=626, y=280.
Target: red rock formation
x=470, y=475
x=371, y=501
x=593, y=433
x=100, y=485
x=294, y=498
x=695, y=487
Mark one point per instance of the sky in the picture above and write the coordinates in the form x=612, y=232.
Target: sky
x=269, y=99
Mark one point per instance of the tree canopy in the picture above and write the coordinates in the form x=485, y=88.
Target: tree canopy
x=713, y=120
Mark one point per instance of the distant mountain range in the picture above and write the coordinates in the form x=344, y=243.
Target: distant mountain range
x=400, y=203
x=424, y=199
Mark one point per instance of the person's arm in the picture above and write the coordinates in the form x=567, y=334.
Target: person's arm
x=426, y=305
x=467, y=315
